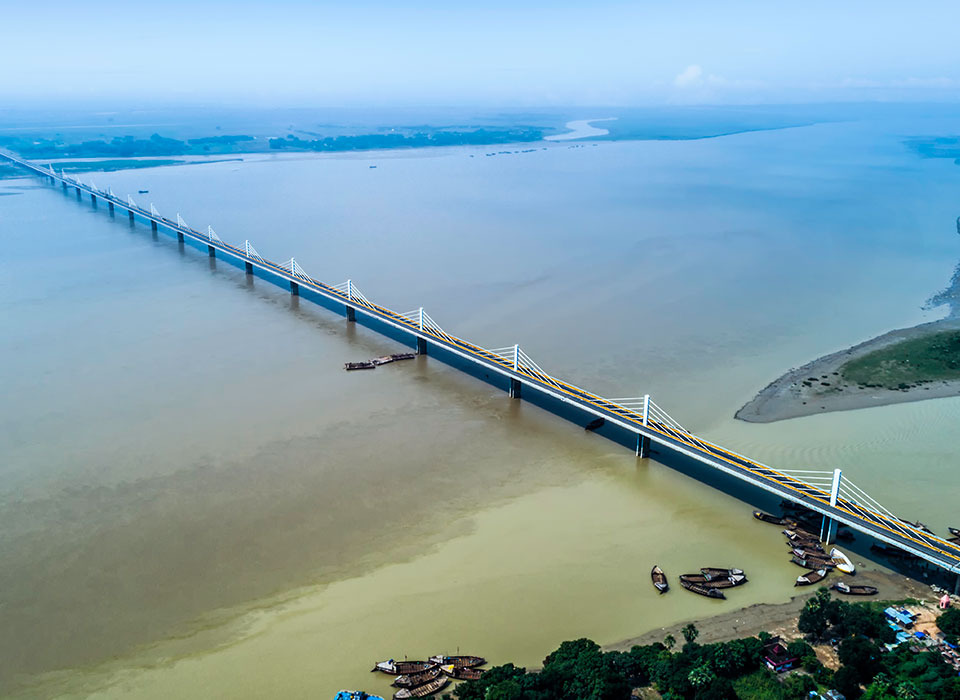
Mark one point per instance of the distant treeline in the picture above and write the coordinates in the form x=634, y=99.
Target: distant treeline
x=367, y=142
x=157, y=145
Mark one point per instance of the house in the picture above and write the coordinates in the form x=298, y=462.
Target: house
x=776, y=656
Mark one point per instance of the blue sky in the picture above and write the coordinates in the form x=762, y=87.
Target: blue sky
x=295, y=53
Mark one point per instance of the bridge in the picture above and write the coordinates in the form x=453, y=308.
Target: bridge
x=828, y=493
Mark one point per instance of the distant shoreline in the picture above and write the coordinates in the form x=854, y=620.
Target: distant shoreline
x=817, y=387
x=581, y=129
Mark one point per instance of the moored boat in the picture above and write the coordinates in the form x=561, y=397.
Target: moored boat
x=842, y=561
x=847, y=589
x=659, y=579
x=462, y=674
x=702, y=590
x=355, y=695
x=403, y=356
x=811, y=554
x=414, y=680
x=716, y=582
x=403, y=668
x=773, y=519
x=811, y=578
x=812, y=564
x=955, y=531
x=350, y=366
x=594, y=424
x=422, y=691
x=712, y=572
x=458, y=661
x=385, y=360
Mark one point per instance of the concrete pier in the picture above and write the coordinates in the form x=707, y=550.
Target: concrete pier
x=110, y=206
x=515, y=388
x=351, y=313
x=211, y=251
x=93, y=198
x=179, y=237
x=643, y=446
x=295, y=289
x=153, y=225
x=421, y=346
x=248, y=268
x=130, y=214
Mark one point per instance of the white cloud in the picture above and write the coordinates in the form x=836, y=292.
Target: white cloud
x=690, y=77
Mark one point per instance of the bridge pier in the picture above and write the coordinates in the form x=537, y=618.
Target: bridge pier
x=248, y=268
x=130, y=215
x=956, y=586
x=828, y=529
x=93, y=199
x=643, y=446
x=515, y=387
x=421, y=346
x=211, y=251
x=179, y=237
x=153, y=225
x=295, y=289
x=351, y=313
x=78, y=192
x=63, y=184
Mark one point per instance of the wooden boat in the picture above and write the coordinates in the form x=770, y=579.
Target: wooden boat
x=798, y=535
x=659, y=579
x=847, y=589
x=773, y=519
x=403, y=668
x=594, y=424
x=397, y=356
x=355, y=695
x=350, y=366
x=955, y=531
x=712, y=572
x=842, y=562
x=424, y=690
x=917, y=524
x=807, y=554
x=385, y=360
x=812, y=564
x=702, y=590
x=716, y=582
x=811, y=578
x=462, y=674
x=415, y=680
x=458, y=661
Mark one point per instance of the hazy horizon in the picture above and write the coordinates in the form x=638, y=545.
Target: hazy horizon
x=294, y=53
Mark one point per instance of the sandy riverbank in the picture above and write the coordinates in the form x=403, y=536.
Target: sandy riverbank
x=816, y=387
x=778, y=619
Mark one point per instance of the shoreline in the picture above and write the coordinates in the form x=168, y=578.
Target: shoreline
x=776, y=618
x=581, y=129
x=789, y=397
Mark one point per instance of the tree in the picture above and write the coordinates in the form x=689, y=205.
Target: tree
x=861, y=655
x=701, y=676
x=690, y=633
x=847, y=681
x=797, y=686
x=815, y=616
x=669, y=642
x=949, y=624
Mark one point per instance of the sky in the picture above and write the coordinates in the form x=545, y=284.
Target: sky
x=298, y=53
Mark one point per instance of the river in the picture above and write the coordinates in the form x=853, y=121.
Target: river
x=197, y=501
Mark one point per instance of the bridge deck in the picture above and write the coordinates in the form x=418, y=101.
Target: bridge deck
x=880, y=525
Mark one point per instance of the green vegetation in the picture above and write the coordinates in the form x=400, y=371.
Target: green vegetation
x=365, y=142
x=579, y=670
x=111, y=165
x=126, y=147
x=910, y=362
x=949, y=624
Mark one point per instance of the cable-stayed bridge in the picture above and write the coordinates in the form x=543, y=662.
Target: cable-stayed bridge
x=829, y=493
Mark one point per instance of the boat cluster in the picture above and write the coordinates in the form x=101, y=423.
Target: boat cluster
x=807, y=551
x=709, y=582
x=419, y=679
x=377, y=361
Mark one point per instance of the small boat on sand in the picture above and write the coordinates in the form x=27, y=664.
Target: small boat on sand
x=594, y=424
x=715, y=582
x=847, y=589
x=798, y=535
x=712, y=572
x=773, y=519
x=458, y=661
x=424, y=690
x=415, y=680
x=842, y=562
x=811, y=578
x=350, y=366
x=702, y=590
x=812, y=564
x=403, y=668
x=462, y=674
x=812, y=555
x=659, y=579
